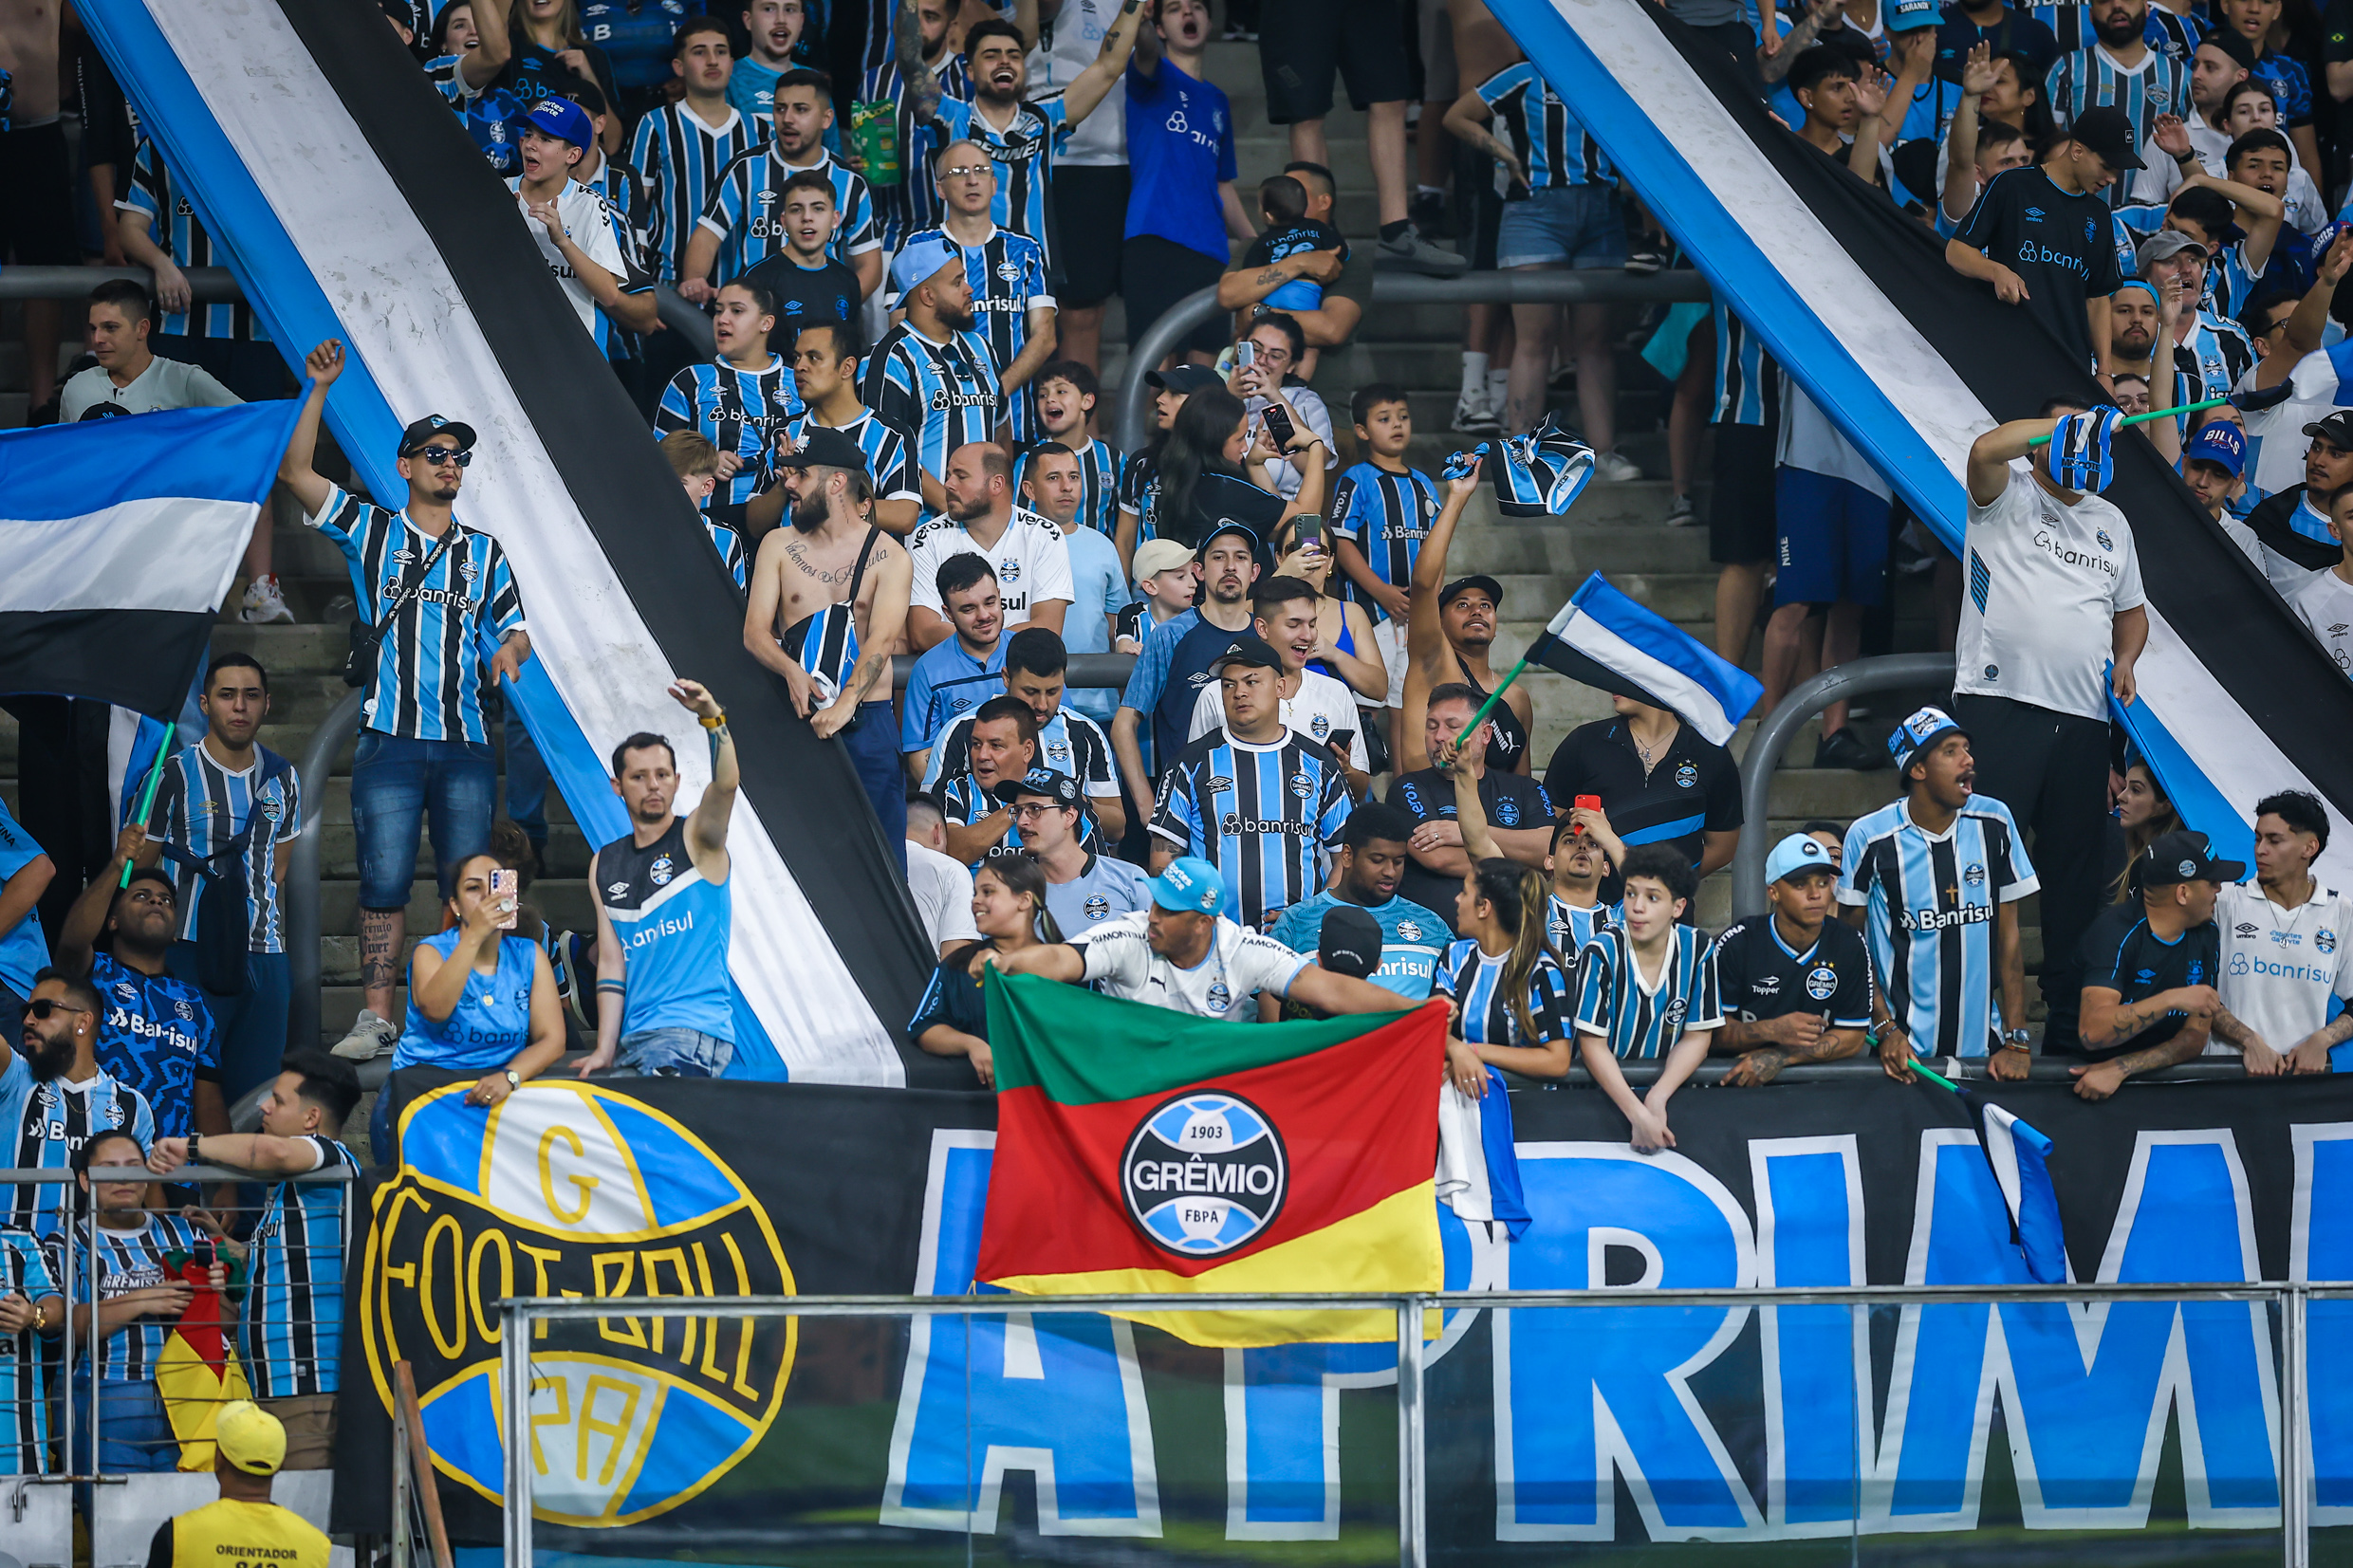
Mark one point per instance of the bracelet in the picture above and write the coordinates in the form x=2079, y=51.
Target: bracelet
x=718, y=722
x=194, y=1140
x=612, y=984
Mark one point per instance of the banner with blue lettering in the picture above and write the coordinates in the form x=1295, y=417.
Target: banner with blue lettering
x=1608, y=1423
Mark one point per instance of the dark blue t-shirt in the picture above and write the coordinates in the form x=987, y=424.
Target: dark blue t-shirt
x=1188, y=672
x=1179, y=148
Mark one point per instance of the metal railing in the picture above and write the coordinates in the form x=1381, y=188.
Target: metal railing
x=519, y=1316
x=1169, y=332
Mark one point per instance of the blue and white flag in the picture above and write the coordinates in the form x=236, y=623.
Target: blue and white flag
x=1478, y=1170
x=2018, y=1153
x=1609, y=641
x=122, y=538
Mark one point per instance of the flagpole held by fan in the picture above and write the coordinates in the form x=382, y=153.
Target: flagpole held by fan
x=147, y=792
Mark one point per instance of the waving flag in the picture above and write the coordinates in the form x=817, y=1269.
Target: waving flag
x=197, y=1372
x=1539, y=474
x=122, y=538
x=1141, y=1150
x=1606, y=639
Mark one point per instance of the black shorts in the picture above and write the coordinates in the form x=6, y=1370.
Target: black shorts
x=1090, y=207
x=1155, y=273
x=1741, y=527
x=36, y=199
x=1301, y=43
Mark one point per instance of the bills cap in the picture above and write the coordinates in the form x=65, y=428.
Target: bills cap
x=559, y=117
x=1795, y=856
x=425, y=432
x=249, y=1437
x=1917, y=733
x=2182, y=857
x=2219, y=442
x=1350, y=943
x=1189, y=886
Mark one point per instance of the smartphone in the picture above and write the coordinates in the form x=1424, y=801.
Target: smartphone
x=205, y=1256
x=1586, y=802
x=1244, y=354
x=1279, y=426
x=1311, y=529
x=503, y=885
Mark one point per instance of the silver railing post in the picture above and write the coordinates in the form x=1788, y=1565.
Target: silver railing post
x=1851, y=679
x=1412, y=1446
x=2295, y=1483
x=514, y=1373
x=302, y=870
x=402, y=1481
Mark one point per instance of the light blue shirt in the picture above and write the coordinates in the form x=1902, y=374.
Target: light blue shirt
x=1099, y=591
x=1411, y=939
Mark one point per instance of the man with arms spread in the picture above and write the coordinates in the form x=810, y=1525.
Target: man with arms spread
x=1796, y=985
x=1367, y=876
x=2285, y=951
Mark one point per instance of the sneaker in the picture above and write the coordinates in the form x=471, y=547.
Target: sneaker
x=1647, y=256
x=1681, y=513
x=1615, y=467
x=1474, y=417
x=1845, y=748
x=370, y=1037
x=263, y=603
x=1410, y=252
x=1427, y=212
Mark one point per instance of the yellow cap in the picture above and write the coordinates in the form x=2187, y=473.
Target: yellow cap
x=249, y=1437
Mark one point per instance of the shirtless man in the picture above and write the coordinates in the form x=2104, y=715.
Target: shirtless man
x=38, y=227
x=835, y=558
x=1448, y=628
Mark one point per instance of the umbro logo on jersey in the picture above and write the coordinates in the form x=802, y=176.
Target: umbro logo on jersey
x=2034, y=214
x=2243, y=929
x=126, y=991
x=2145, y=976
x=404, y=557
x=1219, y=783
x=613, y=890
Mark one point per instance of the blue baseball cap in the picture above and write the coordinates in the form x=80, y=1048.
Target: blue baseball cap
x=2219, y=442
x=1916, y=734
x=1189, y=886
x=918, y=260
x=1795, y=856
x=559, y=117
x=1911, y=15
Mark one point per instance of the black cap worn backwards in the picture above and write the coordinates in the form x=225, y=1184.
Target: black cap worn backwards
x=821, y=446
x=1350, y=943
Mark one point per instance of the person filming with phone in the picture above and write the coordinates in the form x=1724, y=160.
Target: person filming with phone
x=1216, y=472
x=1263, y=363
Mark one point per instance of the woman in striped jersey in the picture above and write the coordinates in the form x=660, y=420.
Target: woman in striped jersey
x=1513, y=1004
x=1646, y=989
x=128, y=1241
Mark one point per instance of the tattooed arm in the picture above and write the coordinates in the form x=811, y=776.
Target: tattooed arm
x=1467, y=122
x=2311, y=1053
x=2109, y=1021
x=916, y=78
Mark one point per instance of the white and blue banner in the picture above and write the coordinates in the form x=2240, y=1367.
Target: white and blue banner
x=1614, y=644
x=121, y=538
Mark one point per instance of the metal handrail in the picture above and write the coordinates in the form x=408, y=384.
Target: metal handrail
x=1534, y=287
x=1106, y=672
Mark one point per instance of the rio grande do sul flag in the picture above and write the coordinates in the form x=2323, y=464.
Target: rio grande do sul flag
x=1140, y=1149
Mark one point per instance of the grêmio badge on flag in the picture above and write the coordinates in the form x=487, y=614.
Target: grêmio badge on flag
x=1140, y=1149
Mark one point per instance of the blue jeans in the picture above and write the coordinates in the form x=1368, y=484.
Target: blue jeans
x=137, y=1435
x=251, y=1027
x=396, y=784
x=674, y=1053
x=872, y=741
x=1576, y=226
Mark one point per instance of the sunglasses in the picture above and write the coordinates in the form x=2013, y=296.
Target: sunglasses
x=42, y=1008
x=443, y=455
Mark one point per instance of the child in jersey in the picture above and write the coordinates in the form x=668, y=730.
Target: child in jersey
x=1283, y=203
x=1646, y=989
x=1383, y=510
x=695, y=461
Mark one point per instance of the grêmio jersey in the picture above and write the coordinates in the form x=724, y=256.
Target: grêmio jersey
x=673, y=926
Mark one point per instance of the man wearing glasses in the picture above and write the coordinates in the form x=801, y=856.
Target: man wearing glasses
x=439, y=602
x=1010, y=296
x=54, y=1097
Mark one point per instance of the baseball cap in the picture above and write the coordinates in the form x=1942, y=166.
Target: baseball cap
x=2337, y=429
x=2219, y=442
x=2106, y=131
x=1189, y=886
x=2182, y=857
x=1911, y=15
x=1795, y=856
x=1350, y=942
x=560, y=117
x=249, y=1437
x=820, y=446
x=1154, y=556
x=1477, y=579
x=917, y=261
x=2232, y=43
x=1247, y=649
x=1042, y=782
x=1916, y=734
x=1186, y=379
x=420, y=435
x=2164, y=244
x=1228, y=526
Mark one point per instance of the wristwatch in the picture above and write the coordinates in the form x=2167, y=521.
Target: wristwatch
x=514, y=1080
x=194, y=1140
x=2016, y=1040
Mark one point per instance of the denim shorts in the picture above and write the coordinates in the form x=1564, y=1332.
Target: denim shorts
x=1575, y=225
x=673, y=1053
x=398, y=785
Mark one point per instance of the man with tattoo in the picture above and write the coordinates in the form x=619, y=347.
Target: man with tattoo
x=2285, y=947
x=2149, y=972
x=827, y=606
x=1796, y=985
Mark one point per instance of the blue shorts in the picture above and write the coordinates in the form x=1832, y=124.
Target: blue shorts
x=1832, y=539
x=1575, y=225
x=673, y=1053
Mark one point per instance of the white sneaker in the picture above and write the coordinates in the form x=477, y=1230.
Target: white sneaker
x=1615, y=467
x=263, y=603
x=1474, y=417
x=370, y=1037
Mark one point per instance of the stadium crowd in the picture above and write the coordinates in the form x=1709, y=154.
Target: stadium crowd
x=1314, y=793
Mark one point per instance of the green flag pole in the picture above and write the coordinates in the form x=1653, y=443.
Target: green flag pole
x=2144, y=418
x=1496, y=695
x=147, y=794
x=1935, y=1076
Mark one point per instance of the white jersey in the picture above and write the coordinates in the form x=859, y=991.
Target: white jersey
x=164, y=384
x=2276, y=439
x=2324, y=602
x=2282, y=573
x=1240, y=964
x=1031, y=559
x=2042, y=584
x=588, y=222
x=1066, y=45
x=2281, y=966
x=1321, y=709
x=943, y=888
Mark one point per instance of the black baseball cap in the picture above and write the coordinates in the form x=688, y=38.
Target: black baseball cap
x=2232, y=43
x=432, y=426
x=2182, y=857
x=2106, y=131
x=1247, y=649
x=822, y=446
x=1350, y=942
x=1044, y=783
x=2336, y=429
x=1228, y=526
x=1492, y=589
x=1184, y=380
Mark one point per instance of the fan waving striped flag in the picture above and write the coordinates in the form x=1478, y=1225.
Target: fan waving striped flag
x=122, y=538
x=1609, y=641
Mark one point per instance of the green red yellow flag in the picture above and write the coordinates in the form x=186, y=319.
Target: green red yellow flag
x=1140, y=1149
x=197, y=1372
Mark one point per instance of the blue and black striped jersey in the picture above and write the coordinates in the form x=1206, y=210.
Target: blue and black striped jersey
x=1569, y=927
x=745, y=210
x=23, y=1403
x=158, y=1037
x=156, y=196
x=964, y=800
x=50, y=1120
x=2088, y=78
x=1008, y=274
x=2165, y=30
x=426, y=684
x=739, y=411
x=730, y=544
x=1023, y=152
x=1932, y=902
x=1553, y=147
x=914, y=202
x=1642, y=1021
x=1748, y=382
x=1263, y=815
x=1385, y=515
x=201, y=805
x=291, y=1334
x=1102, y=470
x=681, y=156
x=1474, y=981
x=890, y=455
x=122, y=1262
x=944, y=394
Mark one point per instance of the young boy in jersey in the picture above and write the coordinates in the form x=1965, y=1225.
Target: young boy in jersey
x=2285, y=951
x=1066, y=395
x=1647, y=991
x=739, y=402
x=1796, y=985
x=571, y=222
x=809, y=284
x=140, y=1296
x=1382, y=507
x=1165, y=584
x=695, y=461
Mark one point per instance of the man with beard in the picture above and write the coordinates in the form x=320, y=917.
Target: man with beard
x=829, y=599
x=664, y=910
x=1011, y=297
x=933, y=374
x=742, y=222
x=1371, y=863
x=54, y=1097
x=416, y=571
x=825, y=369
x=2210, y=352
x=2142, y=314
x=2118, y=67
x=2293, y=524
x=1170, y=674
x=1030, y=558
x=1448, y=628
